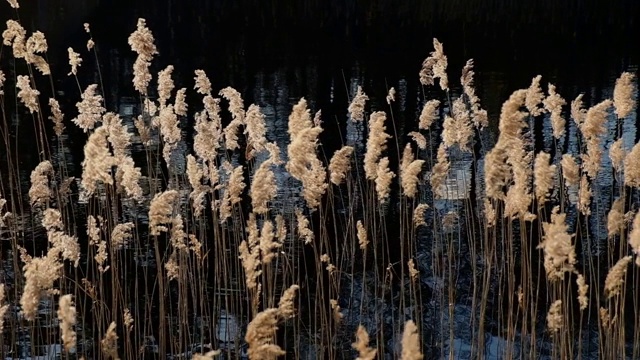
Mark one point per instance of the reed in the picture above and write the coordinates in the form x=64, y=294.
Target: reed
x=199, y=247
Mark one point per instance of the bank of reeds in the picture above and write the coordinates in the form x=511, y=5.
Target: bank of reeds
x=228, y=244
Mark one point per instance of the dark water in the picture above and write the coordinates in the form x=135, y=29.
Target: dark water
x=277, y=52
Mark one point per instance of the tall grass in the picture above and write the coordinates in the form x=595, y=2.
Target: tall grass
x=227, y=243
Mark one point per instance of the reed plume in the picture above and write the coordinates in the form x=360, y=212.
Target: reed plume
x=376, y=143
x=559, y=252
x=67, y=317
x=544, y=174
x=304, y=231
x=356, y=107
x=419, y=139
x=479, y=116
x=615, y=218
x=363, y=239
x=634, y=237
x=161, y=211
x=56, y=115
x=534, y=97
x=435, y=67
x=74, y=61
x=203, y=85
x=411, y=342
x=554, y=317
x=98, y=162
x=262, y=328
x=593, y=128
x=263, y=188
x=409, y=171
x=3, y=78
x=418, y=215
x=142, y=42
x=584, y=196
x=384, y=177
x=250, y=254
x=109, y=343
x=583, y=292
x=233, y=190
x=617, y=154
x=39, y=192
x=27, y=95
x=362, y=345
x=90, y=109
x=340, y=165
x=439, y=172
x=570, y=170
x=631, y=167
x=4, y=307
x=255, y=130
x=623, y=95
x=553, y=103
x=615, y=277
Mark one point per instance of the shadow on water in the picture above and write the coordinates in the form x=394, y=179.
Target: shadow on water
x=277, y=52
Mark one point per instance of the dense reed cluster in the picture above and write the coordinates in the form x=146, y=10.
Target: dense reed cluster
x=228, y=243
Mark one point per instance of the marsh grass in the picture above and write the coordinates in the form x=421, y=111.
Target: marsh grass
x=228, y=241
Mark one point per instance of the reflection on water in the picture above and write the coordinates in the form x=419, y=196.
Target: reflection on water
x=270, y=54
